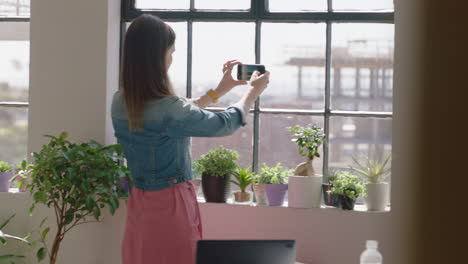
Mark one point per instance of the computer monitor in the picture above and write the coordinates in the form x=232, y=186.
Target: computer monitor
x=246, y=252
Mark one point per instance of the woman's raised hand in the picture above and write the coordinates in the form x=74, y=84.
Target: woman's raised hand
x=227, y=82
x=259, y=82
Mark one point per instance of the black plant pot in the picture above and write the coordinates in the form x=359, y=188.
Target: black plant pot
x=215, y=189
x=329, y=198
x=346, y=203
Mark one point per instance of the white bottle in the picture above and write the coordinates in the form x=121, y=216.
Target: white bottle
x=371, y=255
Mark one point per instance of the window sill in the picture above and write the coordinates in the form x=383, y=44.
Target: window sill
x=357, y=207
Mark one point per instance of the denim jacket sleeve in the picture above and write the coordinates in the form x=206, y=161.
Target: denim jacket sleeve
x=188, y=120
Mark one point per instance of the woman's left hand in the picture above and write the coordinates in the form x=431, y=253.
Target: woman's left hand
x=227, y=82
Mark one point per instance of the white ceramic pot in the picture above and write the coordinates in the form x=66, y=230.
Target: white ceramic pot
x=260, y=194
x=305, y=191
x=377, y=196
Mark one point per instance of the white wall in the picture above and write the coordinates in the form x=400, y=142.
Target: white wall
x=74, y=66
x=73, y=71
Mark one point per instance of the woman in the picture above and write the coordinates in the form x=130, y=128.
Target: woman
x=154, y=127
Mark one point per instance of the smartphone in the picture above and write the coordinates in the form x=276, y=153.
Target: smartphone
x=244, y=71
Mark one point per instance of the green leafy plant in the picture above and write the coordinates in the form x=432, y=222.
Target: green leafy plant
x=308, y=139
x=244, y=177
x=332, y=176
x=347, y=184
x=273, y=175
x=373, y=170
x=77, y=181
x=219, y=162
x=22, y=172
x=5, y=167
x=3, y=241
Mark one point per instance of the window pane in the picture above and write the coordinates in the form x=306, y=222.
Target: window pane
x=357, y=136
x=162, y=4
x=178, y=69
x=297, y=5
x=362, y=5
x=295, y=56
x=14, y=8
x=241, y=141
x=275, y=140
x=362, y=67
x=14, y=62
x=213, y=45
x=13, y=134
x=222, y=4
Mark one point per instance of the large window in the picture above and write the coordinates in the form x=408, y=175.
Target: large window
x=331, y=63
x=14, y=79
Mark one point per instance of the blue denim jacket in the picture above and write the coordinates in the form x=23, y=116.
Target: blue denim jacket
x=159, y=155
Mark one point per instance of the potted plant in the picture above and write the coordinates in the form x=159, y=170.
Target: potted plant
x=243, y=178
x=259, y=191
x=329, y=198
x=275, y=180
x=305, y=185
x=6, y=172
x=21, y=175
x=348, y=187
x=77, y=181
x=216, y=167
x=375, y=171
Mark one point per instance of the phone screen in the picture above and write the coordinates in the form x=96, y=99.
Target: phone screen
x=244, y=71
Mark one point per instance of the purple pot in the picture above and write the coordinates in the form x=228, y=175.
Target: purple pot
x=125, y=185
x=5, y=181
x=276, y=193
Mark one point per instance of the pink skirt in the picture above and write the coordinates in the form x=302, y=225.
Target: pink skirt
x=162, y=227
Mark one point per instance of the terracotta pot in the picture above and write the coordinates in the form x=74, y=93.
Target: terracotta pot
x=243, y=197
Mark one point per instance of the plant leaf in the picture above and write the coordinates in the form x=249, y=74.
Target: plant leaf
x=44, y=233
x=9, y=257
x=41, y=254
x=2, y=225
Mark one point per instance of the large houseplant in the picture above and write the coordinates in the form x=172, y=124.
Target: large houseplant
x=305, y=185
x=216, y=168
x=348, y=187
x=275, y=180
x=6, y=172
x=375, y=172
x=77, y=181
x=243, y=178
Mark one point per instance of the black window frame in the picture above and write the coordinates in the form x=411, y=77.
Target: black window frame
x=258, y=13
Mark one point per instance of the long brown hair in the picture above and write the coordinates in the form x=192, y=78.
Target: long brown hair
x=144, y=72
